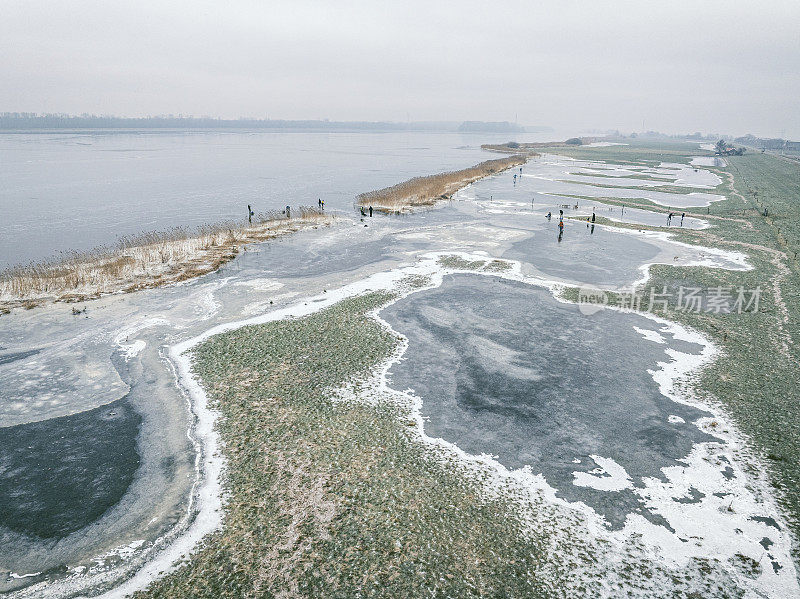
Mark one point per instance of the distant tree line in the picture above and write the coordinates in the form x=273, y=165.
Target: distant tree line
x=31, y=120
x=490, y=127
x=722, y=148
x=26, y=120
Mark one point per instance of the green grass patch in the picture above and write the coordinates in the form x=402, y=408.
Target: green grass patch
x=459, y=263
x=337, y=499
x=661, y=179
x=636, y=153
x=773, y=184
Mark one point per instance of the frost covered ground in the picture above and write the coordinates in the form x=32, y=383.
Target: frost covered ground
x=572, y=442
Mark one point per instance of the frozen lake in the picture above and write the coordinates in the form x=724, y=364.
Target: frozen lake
x=537, y=383
x=500, y=366
x=65, y=190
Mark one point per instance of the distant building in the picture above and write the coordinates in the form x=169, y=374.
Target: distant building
x=773, y=143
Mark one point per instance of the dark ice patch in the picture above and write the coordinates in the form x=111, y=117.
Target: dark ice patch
x=694, y=496
x=505, y=369
x=13, y=357
x=602, y=257
x=59, y=475
x=766, y=520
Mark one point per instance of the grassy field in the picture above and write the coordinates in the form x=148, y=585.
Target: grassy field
x=772, y=183
x=676, y=189
x=757, y=377
x=661, y=178
x=637, y=152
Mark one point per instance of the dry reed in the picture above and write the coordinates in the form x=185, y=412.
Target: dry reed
x=145, y=260
x=425, y=191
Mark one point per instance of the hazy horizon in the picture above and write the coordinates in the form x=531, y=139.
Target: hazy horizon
x=576, y=65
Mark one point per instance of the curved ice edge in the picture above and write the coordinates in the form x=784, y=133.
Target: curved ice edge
x=662, y=545
x=207, y=501
x=726, y=259
x=210, y=462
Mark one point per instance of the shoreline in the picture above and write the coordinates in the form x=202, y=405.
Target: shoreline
x=207, y=501
x=159, y=259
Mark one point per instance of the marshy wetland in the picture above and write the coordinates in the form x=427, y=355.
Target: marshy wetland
x=413, y=404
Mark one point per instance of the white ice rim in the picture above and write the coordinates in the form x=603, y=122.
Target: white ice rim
x=208, y=501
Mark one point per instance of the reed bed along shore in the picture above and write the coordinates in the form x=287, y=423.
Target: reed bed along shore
x=145, y=260
x=425, y=191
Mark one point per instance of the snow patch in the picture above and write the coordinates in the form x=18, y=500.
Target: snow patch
x=650, y=335
x=16, y=576
x=260, y=284
x=608, y=476
x=130, y=349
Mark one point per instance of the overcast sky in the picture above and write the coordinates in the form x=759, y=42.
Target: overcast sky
x=673, y=66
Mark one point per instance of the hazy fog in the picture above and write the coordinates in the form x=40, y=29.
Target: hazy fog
x=672, y=66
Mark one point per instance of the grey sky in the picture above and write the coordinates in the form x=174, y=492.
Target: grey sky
x=678, y=66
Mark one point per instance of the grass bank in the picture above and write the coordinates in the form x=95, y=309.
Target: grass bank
x=426, y=191
x=143, y=261
x=676, y=189
x=635, y=153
